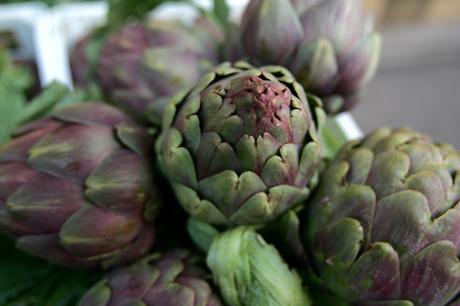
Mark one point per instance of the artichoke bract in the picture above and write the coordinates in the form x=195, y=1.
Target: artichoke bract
x=169, y=280
x=242, y=146
x=250, y=272
x=77, y=189
x=141, y=66
x=384, y=228
x=80, y=61
x=329, y=45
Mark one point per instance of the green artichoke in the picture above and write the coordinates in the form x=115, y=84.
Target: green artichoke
x=329, y=45
x=384, y=228
x=169, y=280
x=77, y=189
x=250, y=272
x=242, y=146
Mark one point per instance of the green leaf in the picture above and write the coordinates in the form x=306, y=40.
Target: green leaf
x=28, y=281
x=14, y=81
x=42, y=104
x=15, y=110
x=332, y=137
x=201, y=233
x=222, y=11
x=121, y=11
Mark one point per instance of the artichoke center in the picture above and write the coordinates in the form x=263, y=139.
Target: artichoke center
x=263, y=105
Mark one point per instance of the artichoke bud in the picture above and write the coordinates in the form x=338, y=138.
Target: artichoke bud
x=169, y=279
x=360, y=64
x=271, y=31
x=242, y=146
x=75, y=187
x=329, y=45
x=387, y=214
x=251, y=272
x=315, y=66
x=142, y=65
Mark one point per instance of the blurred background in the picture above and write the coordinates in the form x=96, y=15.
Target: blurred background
x=417, y=85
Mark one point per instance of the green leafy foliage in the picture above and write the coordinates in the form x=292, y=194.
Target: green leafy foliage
x=333, y=138
x=14, y=81
x=28, y=281
x=121, y=11
x=222, y=11
x=15, y=110
x=48, y=2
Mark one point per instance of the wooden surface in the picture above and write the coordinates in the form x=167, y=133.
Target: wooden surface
x=414, y=11
x=418, y=83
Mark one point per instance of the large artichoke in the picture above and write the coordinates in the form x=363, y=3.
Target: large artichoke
x=170, y=280
x=242, y=146
x=329, y=45
x=384, y=228
x=77, y=188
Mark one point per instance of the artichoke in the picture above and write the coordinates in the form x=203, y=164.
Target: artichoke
x=76, y=188
x=242, y=146
x=250, y=272
x=329, y=45
x=384, y=228
x=169, y=280
x=139, y=67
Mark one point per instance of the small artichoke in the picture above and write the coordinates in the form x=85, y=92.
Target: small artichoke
x=242, y=146
x=329, y=45
x=169, y=280
x=251, y=272
x=77, y=189
x=384, y=228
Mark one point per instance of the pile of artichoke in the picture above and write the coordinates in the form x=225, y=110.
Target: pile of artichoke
x=202, y=179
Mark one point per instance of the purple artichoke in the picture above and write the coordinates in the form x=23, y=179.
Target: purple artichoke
x=170, y=280
x=329, y=45
x=141, y=67
x=242, y=146
x=384, y=228
x=77, y=189
x=118, y=69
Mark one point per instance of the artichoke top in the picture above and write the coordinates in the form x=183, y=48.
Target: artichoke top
x=385, y=224
x=242, y=146
x=329, y=45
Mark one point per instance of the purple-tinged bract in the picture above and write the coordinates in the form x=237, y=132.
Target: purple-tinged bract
x=169, y=280
x=384, y=228
x=77, y=189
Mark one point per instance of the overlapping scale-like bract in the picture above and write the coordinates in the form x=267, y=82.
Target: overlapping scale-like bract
x=169, y=280
x=242, y=146
x=77, y=189
x=385, y=226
